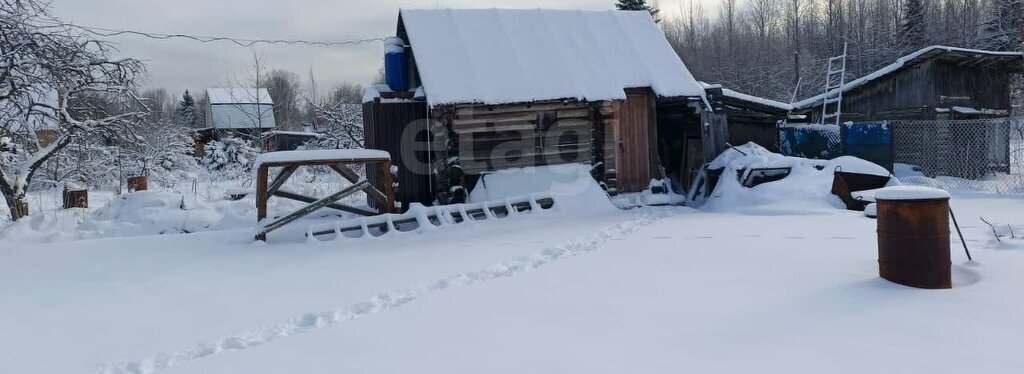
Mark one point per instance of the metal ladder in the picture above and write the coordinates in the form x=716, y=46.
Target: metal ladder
x=835, y=79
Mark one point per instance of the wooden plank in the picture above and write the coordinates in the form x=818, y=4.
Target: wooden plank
x=502, y=128
x=479, y=167
x=312, y=207
x=281, y=177
x=511, y=117
x=261, y=196
x=573, y=113
x=479, y=109
x=533, y=153
x=335, y=206
x=352, y=177
x=389, y=189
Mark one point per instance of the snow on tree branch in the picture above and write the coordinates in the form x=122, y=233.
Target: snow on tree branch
x=50, y=74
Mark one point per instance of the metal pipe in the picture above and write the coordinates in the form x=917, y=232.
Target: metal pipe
x=962, y=241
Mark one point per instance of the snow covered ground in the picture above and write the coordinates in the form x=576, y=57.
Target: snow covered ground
x=598, y=290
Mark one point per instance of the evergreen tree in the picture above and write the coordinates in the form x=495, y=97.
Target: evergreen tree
x=638, y=5
x=912, y=26
x=187, y=111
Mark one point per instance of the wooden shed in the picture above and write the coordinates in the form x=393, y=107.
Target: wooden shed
x=936, y=82
x=750, y=118
x=521, y=88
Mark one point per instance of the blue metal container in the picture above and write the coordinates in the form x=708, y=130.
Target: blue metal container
x=395, y=69
x=871, y=141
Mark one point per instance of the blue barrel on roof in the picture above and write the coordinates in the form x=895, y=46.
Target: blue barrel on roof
x=395, y=69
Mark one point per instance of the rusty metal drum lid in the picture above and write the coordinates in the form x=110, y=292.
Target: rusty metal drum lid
x=904, y=193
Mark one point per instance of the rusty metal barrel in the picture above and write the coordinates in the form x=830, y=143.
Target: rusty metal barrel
x=913, y=237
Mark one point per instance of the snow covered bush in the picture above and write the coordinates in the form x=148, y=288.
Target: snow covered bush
x=162, y=152
x=343, y=127
x=229, y=158
x=158, y=150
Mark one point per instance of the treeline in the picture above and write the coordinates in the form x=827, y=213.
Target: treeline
x=764, y=47
x=296, y=101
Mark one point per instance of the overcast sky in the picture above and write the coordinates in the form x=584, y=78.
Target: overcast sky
x=181, y=64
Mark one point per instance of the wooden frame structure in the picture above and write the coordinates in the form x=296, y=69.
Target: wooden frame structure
x=385, y=201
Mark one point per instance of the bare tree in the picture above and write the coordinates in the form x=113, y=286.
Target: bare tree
x=347, y=93
x=158, y=103
x=749, y=45
x=284, y=89
x=728, y=14
x=47, y=72
x=794, y=14
x=259, y=109
x=764, y=15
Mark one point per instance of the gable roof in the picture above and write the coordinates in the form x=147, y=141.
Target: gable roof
x=498, y=56
x=924, y=54
x=239, y=95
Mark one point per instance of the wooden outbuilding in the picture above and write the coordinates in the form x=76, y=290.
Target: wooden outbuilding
x=750, y=118
x=501, y=89
x=936, y=82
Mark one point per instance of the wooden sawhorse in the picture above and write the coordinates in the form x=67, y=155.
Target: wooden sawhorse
x=338, y=161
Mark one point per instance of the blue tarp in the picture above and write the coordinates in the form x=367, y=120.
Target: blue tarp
x=810, y=141
x=871, y=141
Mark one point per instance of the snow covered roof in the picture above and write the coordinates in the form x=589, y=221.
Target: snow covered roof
x=497, y=56
x=239, y=95
x=749, y=98
x=910, y=60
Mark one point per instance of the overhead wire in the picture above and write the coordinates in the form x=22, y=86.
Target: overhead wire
x=242, y=42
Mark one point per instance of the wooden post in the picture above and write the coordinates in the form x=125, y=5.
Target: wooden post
x=389, y=188
x=138, y=184
x=261, y=198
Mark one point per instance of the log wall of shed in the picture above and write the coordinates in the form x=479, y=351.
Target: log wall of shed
x=618, y=138
x=491, y=138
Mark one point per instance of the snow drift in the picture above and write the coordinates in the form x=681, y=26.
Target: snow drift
x=571, y=185
x=807, y=189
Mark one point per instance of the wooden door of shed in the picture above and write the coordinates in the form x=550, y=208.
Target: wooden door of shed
x=634, y=136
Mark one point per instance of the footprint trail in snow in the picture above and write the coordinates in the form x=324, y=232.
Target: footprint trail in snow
x=385, y=301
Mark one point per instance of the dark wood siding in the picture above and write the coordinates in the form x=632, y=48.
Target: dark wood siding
x=679, y=137
x=907, y=93
x=914, y=92
x=978, y=87
x=490, y=138
x=401, y=129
